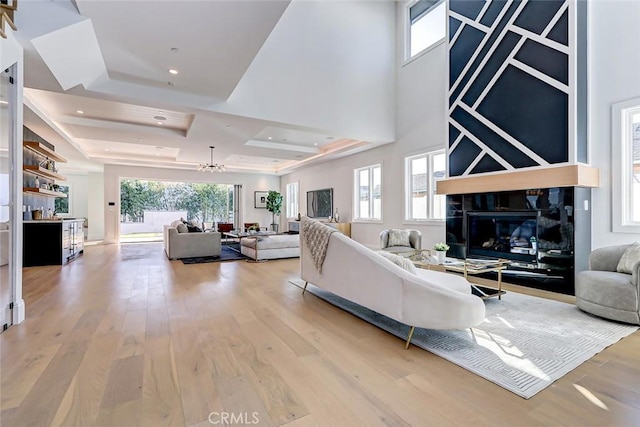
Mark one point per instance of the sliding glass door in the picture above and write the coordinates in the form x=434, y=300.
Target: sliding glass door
x=7, y=189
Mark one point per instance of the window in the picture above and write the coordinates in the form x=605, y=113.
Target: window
x=422, y=173
x=368, y=193
x=426, y=24
x=626, y=166
x=62, y=205
x=292, y=201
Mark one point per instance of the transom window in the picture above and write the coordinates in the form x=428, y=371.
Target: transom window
x=422, y=173
x=368, y=193
x=426, y=25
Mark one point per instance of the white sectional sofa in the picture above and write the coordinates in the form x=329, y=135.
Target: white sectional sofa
x=273, y=246
x=427, y=299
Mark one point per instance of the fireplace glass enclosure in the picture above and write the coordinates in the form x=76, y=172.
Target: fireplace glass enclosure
x=544, y=232
x=511, y=235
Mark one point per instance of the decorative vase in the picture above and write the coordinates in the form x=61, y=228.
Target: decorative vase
x=440, y=256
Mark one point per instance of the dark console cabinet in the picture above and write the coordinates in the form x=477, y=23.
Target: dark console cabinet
x=51, y=242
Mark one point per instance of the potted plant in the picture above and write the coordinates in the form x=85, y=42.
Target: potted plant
x=274, y=205
x=441, y=249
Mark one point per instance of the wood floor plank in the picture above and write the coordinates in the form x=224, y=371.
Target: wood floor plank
x=133, y=334
x=198, y=392
x=310, y=389
x=19, y=376
x=127, y=414
x=40, y=405
x=241, y=400
x=125, y=381
x=278, y=398
x=161, y=405
x=81, y=402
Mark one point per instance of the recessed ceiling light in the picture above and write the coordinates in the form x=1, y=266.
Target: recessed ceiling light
x=160, y=123
x=79, y=111
x=315, y=143
x=174, y=49
x=106, y=149
x=331, y=137
x=269, y=138
x=275, y=161
x=284, y=139
x=173, y=71
x=140, y=139
x=160, y=118
x=169, y=83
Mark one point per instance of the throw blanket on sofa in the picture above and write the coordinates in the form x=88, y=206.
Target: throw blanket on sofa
x=316, y=238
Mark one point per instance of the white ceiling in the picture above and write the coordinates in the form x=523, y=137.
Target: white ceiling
x=97, y=81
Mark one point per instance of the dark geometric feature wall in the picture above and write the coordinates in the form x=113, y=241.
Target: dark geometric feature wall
x=509, y=86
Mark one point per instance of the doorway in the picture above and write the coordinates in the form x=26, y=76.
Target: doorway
x=146, y=206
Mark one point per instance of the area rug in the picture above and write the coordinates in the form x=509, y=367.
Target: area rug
x=227, y=253
x=524, y=344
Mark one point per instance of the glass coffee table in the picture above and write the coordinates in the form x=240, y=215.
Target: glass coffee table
x=471, y=267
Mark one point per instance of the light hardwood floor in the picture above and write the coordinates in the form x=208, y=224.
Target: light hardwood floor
x=124, y=337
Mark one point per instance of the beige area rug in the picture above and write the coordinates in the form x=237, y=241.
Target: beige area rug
x=524, y=344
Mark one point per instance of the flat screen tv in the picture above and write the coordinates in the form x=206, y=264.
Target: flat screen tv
x=320, y=203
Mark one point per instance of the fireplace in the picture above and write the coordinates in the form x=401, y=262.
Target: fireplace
x=544, y=232
x=511, y=235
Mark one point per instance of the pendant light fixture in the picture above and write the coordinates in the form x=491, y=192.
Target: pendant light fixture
x=211, y=167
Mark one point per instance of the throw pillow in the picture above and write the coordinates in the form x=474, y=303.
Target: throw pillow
x=399, y=261
x=629, y=259
x=182, y=228
x=193, y=229
x=175, y=223
x=399, y=237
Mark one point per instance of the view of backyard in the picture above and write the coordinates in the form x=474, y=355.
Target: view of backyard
x=145, y=206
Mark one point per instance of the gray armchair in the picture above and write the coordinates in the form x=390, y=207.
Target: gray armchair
x=606, y=293
x=415, y=241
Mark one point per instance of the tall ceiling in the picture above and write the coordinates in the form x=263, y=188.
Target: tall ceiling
x=273, y=85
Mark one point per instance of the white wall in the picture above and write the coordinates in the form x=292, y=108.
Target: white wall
x=614, y=76
x=87, y=200
x=421, y=126
x=95, y=206
x=79, y=195
x=333, y=73
x=249, y=182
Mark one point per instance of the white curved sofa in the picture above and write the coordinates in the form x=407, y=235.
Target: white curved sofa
x=428, y=299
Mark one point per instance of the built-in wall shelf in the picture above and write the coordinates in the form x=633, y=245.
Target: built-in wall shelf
x=45, y=173
x=44, y=151
x=43, y=192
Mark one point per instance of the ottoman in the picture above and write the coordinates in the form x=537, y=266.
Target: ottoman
x=271, y=246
